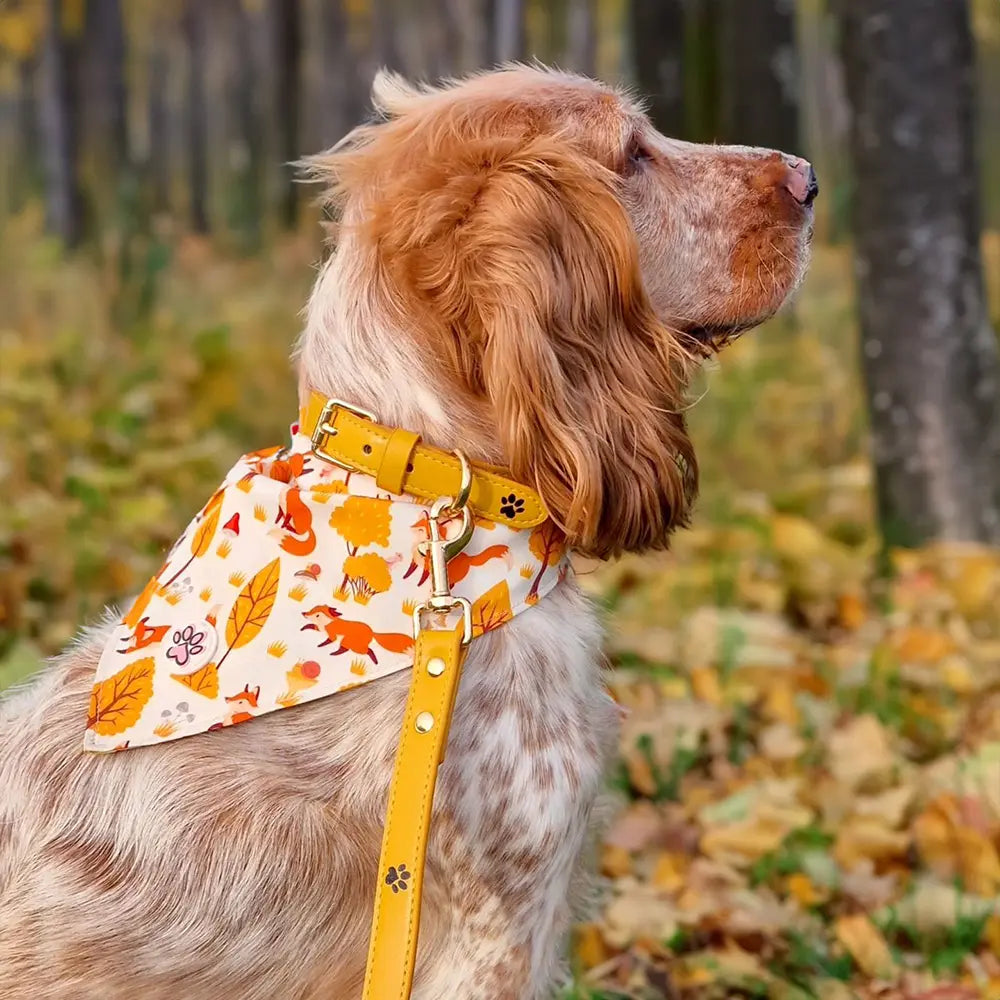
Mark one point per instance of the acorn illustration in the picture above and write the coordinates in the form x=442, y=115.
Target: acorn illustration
x=302, y=676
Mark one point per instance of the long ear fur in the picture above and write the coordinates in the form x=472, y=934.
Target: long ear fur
x=514, y=261
x=586, y=382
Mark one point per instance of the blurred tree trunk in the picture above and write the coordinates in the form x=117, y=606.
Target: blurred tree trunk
x=385, y=44
x=930, y=357
x=28, y=142
x=344, y=92
x=197, y=115
x=657, y=29
x=509, y=30
x=103, y=111
x=582, y=36
x=58, y=127
x=700, y=70
x=245, y=152
x=158, y=162
x=285, y=27
x=759, y=74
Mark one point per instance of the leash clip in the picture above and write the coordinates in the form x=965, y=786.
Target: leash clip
x=439, y=549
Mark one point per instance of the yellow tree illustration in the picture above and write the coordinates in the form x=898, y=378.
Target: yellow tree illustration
x=367, y=574
x=361, y=521
x=547, y=544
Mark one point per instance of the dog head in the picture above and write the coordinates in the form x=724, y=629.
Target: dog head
x=545, y=269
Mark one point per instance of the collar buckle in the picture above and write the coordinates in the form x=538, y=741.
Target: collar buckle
x=326, y=428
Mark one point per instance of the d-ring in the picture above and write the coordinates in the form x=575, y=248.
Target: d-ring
x=466, y=488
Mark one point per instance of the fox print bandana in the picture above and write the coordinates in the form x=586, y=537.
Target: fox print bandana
x=297, y=579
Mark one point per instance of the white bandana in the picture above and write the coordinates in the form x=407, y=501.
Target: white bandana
x=297, y=579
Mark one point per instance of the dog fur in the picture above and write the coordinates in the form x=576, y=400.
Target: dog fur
x=524, y=269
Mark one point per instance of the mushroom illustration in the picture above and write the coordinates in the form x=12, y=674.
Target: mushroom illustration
x=232, y=527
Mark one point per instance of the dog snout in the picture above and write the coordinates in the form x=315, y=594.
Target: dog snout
x=801, y=180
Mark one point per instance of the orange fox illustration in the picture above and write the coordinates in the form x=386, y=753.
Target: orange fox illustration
x=295, y=519
x=354, y=637
x=459, y=565
x=144, y=635
x=246, y=699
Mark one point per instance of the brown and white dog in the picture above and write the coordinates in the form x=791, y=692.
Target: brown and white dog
x=527, y=270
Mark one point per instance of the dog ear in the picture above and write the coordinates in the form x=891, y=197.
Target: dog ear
x=512, y=259
x=586, y=383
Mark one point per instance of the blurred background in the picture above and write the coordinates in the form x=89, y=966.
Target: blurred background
x=809, y=782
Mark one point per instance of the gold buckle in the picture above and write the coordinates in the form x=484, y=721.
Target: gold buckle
x=325, y=428
x=440, y=549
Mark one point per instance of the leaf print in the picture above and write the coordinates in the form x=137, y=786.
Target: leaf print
x=204, y=681
x=206, y=532
x=117, y=701
x=252, y=607
x=492, y=609
x=141, y=603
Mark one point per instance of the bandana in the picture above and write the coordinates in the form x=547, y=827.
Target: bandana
x=297, y=579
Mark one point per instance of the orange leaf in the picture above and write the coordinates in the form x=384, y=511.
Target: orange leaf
x=492, y=609
x=117, y=701
x=204, y=681
x=141, y=602
x=866, y=945
x=206, y=530
x=253, y=606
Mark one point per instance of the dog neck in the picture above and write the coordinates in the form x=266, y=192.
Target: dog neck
x=351, y=350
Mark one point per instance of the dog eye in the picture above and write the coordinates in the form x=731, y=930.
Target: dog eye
x=637, y=154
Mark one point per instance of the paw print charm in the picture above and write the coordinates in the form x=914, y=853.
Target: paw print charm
x=398, y=878
x=511, y=505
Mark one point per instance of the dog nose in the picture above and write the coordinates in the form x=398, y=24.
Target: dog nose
x=801, y=181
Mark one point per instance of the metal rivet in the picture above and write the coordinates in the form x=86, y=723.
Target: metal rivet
x=435, y=666
x=424, y=722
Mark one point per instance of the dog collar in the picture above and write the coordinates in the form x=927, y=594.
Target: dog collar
x=399, y=462
x=299, y=577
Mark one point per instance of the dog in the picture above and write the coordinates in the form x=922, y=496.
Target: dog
x=524, y=269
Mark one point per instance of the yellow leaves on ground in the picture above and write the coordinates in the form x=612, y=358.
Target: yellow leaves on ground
x=204, y=681
x=253, y=606
x=866, y=946
x=956, y=840
x=117, y=701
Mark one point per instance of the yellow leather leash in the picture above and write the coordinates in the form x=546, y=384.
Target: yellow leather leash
x=352, y=438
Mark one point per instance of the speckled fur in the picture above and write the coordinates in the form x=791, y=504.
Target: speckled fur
x=241, y=864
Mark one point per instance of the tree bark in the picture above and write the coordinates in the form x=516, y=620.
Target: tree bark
x=58, y=128
x=197, y=115
x=759, y=74
x=930, y=357
x=657, y=30
x=285, y=25
x=509, y=30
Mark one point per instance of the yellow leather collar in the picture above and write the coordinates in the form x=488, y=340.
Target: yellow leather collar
x=400, y=463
